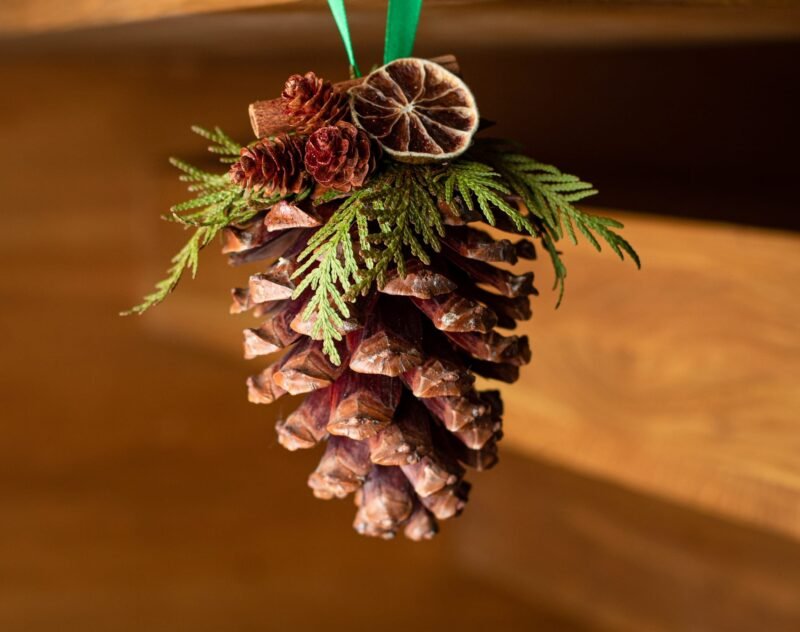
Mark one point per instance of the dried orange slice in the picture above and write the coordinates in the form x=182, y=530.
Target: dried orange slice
x=416, y=110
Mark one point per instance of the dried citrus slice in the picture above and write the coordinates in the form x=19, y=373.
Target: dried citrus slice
x=416, y=110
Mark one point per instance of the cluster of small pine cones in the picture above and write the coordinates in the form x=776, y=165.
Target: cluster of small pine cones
x=324, y=145
x=400, y=416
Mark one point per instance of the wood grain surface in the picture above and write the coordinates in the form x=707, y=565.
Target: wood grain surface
x=583, y=22
x=626, y=560
x=681, y=379
x=141, y=491
x=39, y=15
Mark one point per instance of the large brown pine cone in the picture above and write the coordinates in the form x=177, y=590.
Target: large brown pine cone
x=274, y=165
x=340, y=156
x=400, y=417
x=312, y=102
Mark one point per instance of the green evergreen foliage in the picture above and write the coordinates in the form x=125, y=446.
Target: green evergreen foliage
x=402, y=201
x=551, y=195
x=397, y=206
x=394, y=216
x=217, y=203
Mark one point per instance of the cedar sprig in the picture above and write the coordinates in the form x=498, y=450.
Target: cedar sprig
x=400, y=207
x=550, y=195
x=402, y=202
x=337, y=269
x=479, y=184
x=408, y=221
x=396, y=215
x=221, y=144
x=217, y=203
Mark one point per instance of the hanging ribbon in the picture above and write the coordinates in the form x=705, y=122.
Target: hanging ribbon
x=340, y=16
x=402, y=18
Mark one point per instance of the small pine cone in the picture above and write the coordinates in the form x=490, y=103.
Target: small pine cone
x=340, y=156
x=311, y=102
x=400, y=416
x=274, y=165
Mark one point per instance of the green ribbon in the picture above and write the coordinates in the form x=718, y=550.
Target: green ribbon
x=340, y=17
x=402, y=18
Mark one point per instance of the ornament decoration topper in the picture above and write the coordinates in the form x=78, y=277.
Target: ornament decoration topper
x=380, y=293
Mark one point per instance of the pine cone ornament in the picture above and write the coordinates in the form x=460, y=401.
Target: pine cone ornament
x=400, y=416
x=380, y=297
x=340, y=157
x=275, y=165
x=312, y=102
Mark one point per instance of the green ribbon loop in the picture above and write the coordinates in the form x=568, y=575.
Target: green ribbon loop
x=340, y=17
x=402, y=18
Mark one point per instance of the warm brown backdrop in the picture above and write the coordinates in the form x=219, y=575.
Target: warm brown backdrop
x=651, y=469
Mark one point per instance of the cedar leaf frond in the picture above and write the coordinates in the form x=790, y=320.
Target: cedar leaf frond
x=550, y=195
x=221, y=203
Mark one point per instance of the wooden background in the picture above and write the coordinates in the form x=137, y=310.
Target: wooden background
x=651, y=473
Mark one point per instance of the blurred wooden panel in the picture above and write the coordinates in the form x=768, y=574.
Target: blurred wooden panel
x=37, y=15
x=623, y=560
x=498, y=23
x=681, y=379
